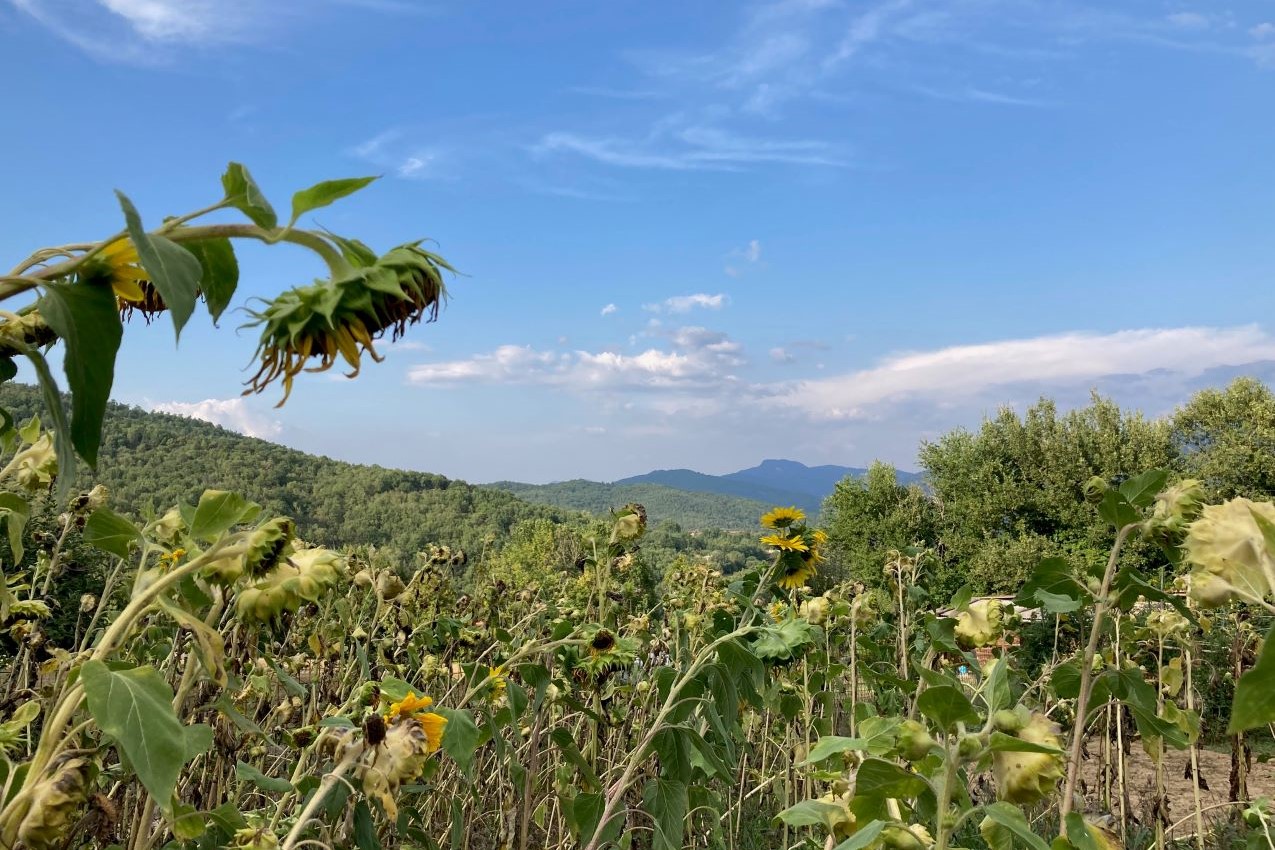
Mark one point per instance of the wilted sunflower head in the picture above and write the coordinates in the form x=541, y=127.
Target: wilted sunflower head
x=606, y=652
x=342, y=317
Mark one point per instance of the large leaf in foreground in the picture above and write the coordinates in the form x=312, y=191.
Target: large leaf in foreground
x=135, y=708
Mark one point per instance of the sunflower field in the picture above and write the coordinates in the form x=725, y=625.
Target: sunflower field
x=225, y=684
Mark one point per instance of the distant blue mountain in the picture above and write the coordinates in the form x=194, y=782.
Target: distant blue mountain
x=775, y=482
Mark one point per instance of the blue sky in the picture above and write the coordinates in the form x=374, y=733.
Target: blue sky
x=693, y=234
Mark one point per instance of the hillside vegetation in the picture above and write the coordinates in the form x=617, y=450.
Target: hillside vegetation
x=154, y=460
x=691, y=510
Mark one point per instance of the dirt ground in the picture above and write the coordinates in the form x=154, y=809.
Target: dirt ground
x=1215, y=771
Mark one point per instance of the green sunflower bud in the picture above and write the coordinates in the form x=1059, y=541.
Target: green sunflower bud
x=914, y=741
x=1095, y=488
x=1009, y=721
x=970, y=747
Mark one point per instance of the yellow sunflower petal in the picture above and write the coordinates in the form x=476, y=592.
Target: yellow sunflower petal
x=127, y=289
x=434, y=724
x=409, y=705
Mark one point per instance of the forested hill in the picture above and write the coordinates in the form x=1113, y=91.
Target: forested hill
x=690, y=510
x=157, y=460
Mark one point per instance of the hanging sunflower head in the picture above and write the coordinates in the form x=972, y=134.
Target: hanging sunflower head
x=797, y=547
x=118, y=264
x=342, y=317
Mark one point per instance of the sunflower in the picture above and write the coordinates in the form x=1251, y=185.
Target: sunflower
x=782, y=517
x=408, y=706
x=342, y=317
x=496, y=683
x=820, y=537
x=118, y=264
x=786, y=543
x=794, y=570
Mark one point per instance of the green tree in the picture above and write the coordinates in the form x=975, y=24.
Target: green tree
x=867, y=517
x=1010, y=493
x=1226, y=438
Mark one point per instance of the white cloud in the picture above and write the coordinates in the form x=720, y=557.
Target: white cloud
x=696, y=359
x=781, y=355
x=609, y=309
x=753, y=252
x=232, y=413
x=960, y=372
x=686, y=303
x=1263, y=31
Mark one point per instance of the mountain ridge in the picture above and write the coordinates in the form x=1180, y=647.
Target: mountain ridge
x=750, y=491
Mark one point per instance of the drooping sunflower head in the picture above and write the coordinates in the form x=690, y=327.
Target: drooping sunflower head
x=794, y=570
x=782, y=517
x=308, y=328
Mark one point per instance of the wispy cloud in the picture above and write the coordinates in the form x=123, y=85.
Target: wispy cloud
x=749, y=255
x=686, y=303
x=233, y=413
x=966, y=371
x=690, y=148
x=150, y=31
x=399, y=155
x=609, y=309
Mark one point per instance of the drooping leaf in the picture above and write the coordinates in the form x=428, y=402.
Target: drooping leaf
x=461, y=736
x=1117, y=510
x=173, y=271
x=110, y=532
x=946, y=706
x=135, y=708
x=833, y=745
x=273, y=784
x=865, y=836
x=1141, y=490
x=87, y=319
x=61, y=427
x=321, y=194
x=1052, y=578
x=665, y=800
x=1254, y=703
x=243, y=193
x=1012, y=818
x=561, y=738
x=217, y=511
x=221, y=273
x=14, y=513
x=882, y=778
